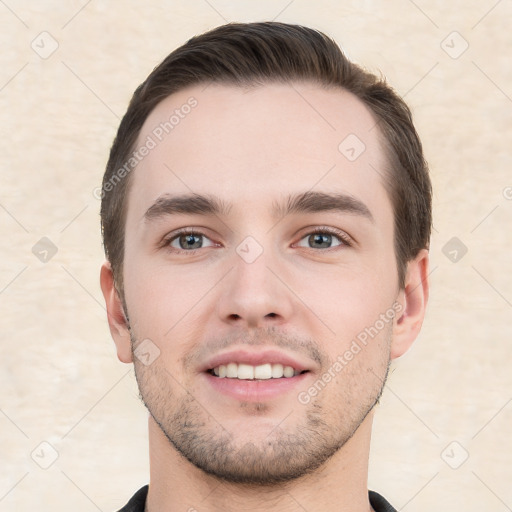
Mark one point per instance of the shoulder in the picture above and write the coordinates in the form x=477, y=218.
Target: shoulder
x=137, y=502
x=379, y=504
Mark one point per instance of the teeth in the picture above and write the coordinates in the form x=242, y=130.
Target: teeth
x=263, y=371
x=277, y=371
x=288, y=371
x=245, y=371
x=232, y=370
x=249, y=372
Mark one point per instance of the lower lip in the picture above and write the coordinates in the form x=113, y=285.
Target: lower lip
x=254, y=390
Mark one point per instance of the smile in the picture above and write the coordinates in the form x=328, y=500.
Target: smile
x=249, y=372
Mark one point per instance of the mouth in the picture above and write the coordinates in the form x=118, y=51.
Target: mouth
x=266, y=371
x=250, y=376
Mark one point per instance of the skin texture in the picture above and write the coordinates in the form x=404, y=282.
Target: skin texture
x=251, y=149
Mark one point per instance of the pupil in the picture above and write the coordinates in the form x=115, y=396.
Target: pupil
x=190, y=242
x=320, y=240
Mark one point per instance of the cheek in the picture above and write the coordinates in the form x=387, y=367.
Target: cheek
x=164, y=299
x=346, y=300
x=357, y=337
x=360, y=365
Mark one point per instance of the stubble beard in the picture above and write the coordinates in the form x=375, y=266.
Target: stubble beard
x=282, y=456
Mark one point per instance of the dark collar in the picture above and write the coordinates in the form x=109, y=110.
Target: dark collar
x=138, y=502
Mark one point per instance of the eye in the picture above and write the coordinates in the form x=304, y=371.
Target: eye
x=189, y=241
x=323, y=239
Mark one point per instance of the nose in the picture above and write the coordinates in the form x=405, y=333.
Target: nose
x=254, y=295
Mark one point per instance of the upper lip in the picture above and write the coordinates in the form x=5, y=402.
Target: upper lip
x=253, y=358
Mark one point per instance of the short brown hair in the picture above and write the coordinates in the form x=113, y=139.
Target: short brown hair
x=252, y=54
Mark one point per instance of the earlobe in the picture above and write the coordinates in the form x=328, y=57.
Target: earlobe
x=117, y=321
x=414, y=299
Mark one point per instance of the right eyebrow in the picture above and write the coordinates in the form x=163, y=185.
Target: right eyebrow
x=197, y=204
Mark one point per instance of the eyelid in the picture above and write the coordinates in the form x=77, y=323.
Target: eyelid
x=343, y=237
x=170, y=237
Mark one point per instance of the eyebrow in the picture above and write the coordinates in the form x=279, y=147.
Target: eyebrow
x=307, y=202
x=311, y=202
x=192, y=204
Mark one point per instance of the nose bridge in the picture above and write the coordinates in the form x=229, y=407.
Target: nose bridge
x=253, y=294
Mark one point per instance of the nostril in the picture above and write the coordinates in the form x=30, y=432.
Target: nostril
x=272, y=315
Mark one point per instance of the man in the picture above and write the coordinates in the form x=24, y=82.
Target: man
x=266, y=216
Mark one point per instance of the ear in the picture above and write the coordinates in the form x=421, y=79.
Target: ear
x=413, y=299
x=116, y=319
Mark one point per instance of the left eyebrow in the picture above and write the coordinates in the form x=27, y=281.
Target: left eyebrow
x=312, y=202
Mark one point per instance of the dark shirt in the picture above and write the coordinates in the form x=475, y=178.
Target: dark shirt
x=138, y=502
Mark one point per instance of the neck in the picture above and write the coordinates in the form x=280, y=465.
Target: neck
x=339, y=485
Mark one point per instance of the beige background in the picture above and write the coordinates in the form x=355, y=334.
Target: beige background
x=60, y=380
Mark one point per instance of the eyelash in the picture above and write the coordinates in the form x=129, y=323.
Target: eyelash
x=343, y=238
x=167, y=240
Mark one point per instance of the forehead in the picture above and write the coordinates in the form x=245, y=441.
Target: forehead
x=253, y=145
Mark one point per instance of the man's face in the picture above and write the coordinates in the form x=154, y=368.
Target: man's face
x=286, y=259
